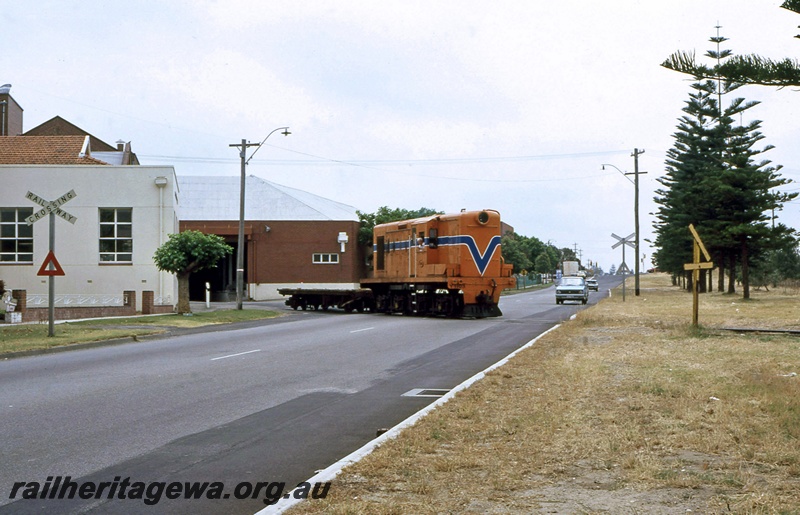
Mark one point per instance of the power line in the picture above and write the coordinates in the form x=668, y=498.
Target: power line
x=326, y=161
x=377, y=165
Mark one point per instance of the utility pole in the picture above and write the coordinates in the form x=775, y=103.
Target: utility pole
x=240, y=245
x=636, y=153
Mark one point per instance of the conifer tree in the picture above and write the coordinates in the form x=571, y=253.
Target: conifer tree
x=714, y=182
x=746, y=69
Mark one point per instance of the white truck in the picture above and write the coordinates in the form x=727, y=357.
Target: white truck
x=570, y=268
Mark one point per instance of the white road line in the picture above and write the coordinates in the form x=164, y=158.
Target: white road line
x=365, y=329
x=234, y=355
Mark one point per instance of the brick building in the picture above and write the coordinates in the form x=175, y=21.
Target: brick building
x=292, y=237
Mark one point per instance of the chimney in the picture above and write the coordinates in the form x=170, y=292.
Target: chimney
x=120, y=145
x=10, y=113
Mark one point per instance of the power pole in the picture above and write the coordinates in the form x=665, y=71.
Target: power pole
x=636, y=153
x=240, y=244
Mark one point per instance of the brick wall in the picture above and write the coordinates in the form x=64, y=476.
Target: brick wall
x=77, y=312
x=149, y=307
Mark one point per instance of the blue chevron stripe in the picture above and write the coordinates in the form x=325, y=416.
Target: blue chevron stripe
x=481, y=259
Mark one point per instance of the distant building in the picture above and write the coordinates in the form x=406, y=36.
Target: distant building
x=57, y=126
x=293, y=238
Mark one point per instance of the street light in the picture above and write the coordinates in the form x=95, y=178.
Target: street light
x=240, y=244
x=636, y=153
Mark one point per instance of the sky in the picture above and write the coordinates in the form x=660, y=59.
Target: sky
x=458, y=104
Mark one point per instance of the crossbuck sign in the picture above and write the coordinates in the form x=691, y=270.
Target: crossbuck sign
x=51, y=207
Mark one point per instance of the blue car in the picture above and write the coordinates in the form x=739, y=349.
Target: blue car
x=572, y=288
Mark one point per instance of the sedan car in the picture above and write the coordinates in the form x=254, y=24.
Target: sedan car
x=572, y=288
x=592, y=284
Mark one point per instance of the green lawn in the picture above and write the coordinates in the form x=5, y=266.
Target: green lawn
x=25, y=337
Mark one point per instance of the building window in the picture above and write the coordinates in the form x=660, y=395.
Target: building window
x=116, y=235
x=325, y=259
x=16, y=236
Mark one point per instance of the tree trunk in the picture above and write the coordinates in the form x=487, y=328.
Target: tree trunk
x=721, y=276
x=745, y=270
x=732, y=273
x=183, y=294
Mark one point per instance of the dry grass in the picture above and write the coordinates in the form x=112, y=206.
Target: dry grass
x=625, y=409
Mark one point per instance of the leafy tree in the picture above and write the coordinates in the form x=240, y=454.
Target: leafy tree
x=385, y=215
x=187, y=252
x=554, y=255
x=543, y=264
x=746, y=69
x=776, y=265
x=514, y=252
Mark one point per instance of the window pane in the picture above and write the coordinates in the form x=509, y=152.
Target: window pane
x=7, y=257
x=25, y=246
x=106, y=257
x=124, y=231
x=25, y=231
x=124, y=245
x=8, y=245
x=124, y=215
x=26, y=258
x=7, y=231
x=124, y=257
x=106, y=231
x=334, y=258
x=106, y=215
x=107, y=245
x=8, y=215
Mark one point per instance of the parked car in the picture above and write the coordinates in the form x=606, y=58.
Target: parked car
x=572, y=288
x=592, y=284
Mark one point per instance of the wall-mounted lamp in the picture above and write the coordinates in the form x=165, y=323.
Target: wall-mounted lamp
x=267, y=228
x=341, y=240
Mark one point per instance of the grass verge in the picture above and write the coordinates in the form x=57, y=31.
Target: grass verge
x=626, y=409
x=27, y=337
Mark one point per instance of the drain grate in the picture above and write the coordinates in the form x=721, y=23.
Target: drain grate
x=426, y=392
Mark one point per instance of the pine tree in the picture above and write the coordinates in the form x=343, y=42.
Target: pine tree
x=692, y=164
x=713, y=182
x=746, y=69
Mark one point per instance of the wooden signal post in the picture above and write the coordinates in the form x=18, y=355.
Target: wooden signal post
x=695, y=266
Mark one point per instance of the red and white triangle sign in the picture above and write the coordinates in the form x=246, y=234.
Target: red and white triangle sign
x=51, y=266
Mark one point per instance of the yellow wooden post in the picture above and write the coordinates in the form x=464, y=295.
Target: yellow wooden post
x=695, y=266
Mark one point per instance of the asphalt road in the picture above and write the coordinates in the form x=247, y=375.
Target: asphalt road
x=270, y=403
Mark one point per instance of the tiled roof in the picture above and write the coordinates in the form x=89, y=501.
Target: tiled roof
x=45, y=150
x=217, y=198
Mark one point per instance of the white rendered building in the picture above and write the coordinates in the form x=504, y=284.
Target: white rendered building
x=120, y=216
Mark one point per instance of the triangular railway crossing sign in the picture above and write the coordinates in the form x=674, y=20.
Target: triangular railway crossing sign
x=49, y=261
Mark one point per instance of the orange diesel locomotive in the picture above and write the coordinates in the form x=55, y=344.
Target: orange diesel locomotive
x=447, y=265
